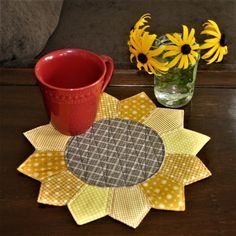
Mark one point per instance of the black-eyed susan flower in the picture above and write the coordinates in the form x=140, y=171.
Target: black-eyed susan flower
x=184, y=49
x=141, y=49
x=216, y=45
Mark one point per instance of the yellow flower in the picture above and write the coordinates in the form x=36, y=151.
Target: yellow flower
x=142, y=20
x=140, y=24
x=140, y=47
x=183, y=48
x=216, y=45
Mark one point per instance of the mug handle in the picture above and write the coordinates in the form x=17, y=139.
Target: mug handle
x=109, y=70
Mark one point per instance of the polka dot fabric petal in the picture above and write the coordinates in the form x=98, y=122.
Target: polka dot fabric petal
x=58, y=189
x=42, y=164
x=129, y=205
x=136, y=108
x=108, y=107
x=90, y=203
x=164, y=194
x=46, y=137
x=185, y=169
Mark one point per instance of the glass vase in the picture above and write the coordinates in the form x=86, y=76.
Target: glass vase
x=175, y=88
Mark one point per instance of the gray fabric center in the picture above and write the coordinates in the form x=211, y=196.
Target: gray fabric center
x=115, y=153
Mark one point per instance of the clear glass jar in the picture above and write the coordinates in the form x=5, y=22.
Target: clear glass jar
x=176, y=87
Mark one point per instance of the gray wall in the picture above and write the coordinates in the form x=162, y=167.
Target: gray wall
x=103, y=25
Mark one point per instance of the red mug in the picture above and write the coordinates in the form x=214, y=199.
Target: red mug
x=72, y=81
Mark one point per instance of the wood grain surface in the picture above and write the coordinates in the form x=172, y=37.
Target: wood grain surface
x=210, y=203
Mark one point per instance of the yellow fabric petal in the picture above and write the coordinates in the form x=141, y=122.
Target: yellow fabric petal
x=129, y=205
x=174, y=61
x=42, y=164
x=164, y=193
x=185, y=169
x=210, y=52
x=164, y=120
x=136, y=107
x=108, y=107
x=58, y=189
x=184, y=141
x=46, y=137
x=214, y=58
x=90, y=203
x=185, y=33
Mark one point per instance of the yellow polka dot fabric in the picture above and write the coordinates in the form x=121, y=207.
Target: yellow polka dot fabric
x=129, y=205
x=164, y=120
x=185, y=169
x=58, y=189
x=184, y=141
x=108, y=107
x=90, y=203
x=42, y=164
x=46, y=137
x=136, y=108
x=164, y=194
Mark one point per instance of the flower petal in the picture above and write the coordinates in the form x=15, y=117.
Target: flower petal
x=90, y=203
x=183, y=168
x=147, y=41
x=210, y=52
x=46, y=137
x=168, y=120
x=58, y=189
x=185, y=34
x=184, y=141
x=191, y=36
x=192, y=59
x=129, y=205
x=173, y=39
x=164, y=193
x=136, y=108
x=108, y=107
x=42, y=164
x=210, y=32
x=182, y=60
x=174, y=61
x=214, y=58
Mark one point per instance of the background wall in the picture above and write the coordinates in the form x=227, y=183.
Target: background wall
x=103, y=25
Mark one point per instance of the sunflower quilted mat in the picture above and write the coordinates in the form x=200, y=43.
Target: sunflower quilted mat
x=135, y=157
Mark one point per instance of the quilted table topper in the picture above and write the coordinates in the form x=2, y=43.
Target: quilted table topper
x=135, y=157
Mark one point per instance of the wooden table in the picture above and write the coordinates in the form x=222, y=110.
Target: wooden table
x=210, y=204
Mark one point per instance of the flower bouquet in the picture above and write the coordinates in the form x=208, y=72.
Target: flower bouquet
x=173, y=58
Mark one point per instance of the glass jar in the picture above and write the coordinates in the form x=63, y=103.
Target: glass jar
x=176, y=87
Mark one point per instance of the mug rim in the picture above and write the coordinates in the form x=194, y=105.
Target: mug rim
x=40, y=61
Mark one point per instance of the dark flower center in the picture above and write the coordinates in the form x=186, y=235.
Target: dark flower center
x=142, y=58
x=185, y=49
x=222, y=40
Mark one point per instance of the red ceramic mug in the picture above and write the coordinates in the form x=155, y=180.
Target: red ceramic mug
x=72, y=81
